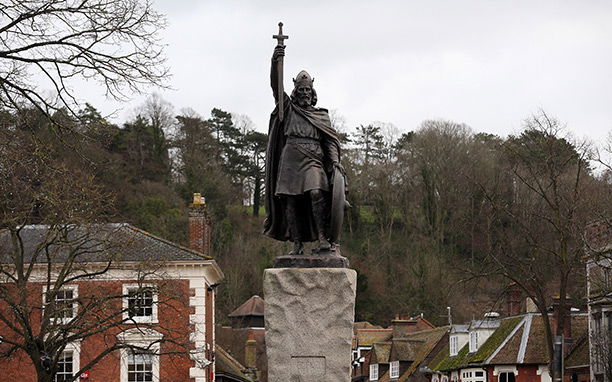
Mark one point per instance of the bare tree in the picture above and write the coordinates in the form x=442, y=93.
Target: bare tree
x=46, y=44
x=37, y=264
x=541, y=200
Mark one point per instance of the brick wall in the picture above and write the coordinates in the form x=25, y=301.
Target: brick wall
x=173, y=316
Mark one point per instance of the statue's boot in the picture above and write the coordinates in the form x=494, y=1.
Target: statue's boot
x=294, y=231
x=320, y=217
x=298, y=249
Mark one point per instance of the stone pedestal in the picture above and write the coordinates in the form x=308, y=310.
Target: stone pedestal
x=309, y=315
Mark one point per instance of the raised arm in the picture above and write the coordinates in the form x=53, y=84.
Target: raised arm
x=279, y=52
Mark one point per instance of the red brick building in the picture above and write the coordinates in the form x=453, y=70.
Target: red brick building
x=143, y=305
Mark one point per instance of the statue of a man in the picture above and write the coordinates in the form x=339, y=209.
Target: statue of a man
x=303, y=150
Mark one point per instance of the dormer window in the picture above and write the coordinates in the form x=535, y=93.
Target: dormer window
x=473, y=341
x=374, y=372
x=394, y=369
x=454, y=346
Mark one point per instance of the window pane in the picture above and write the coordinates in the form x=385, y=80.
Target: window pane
x=64, y=367
x=140, y=303
x=140, y=367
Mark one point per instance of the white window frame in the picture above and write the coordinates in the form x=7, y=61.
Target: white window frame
x=394, y=369
x=143, y=338
x=454, y=346
x=75, y=348
x=153, y=318
x=75, y=306
x=473, y=341
x=469, y=375
x=374, y=372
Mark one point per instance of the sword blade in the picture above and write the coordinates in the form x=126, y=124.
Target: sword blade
x=281, y=90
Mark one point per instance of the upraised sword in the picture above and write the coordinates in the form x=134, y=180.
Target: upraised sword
x=280, y=37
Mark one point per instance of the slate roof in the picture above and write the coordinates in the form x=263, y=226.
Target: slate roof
x=96, y=243
x=484, y=324
x=254, y=306
x=460, y=328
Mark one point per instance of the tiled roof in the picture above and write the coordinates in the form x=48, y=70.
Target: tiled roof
x=520, y=339
x=464, y=357
x=405, y=349
x=579, y=354
x=364, y=325
x=367, y=337
x=254, y=306
x=508, y=354
x=381, y=351
x=225, y=364
x=96, y=243
x=430, y=339
x=536, y=345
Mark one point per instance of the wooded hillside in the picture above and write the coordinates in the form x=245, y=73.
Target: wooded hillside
x=442, y=216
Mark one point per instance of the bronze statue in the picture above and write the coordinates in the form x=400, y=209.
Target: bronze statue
x=304, y=178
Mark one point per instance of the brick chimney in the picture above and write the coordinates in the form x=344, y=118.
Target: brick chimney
x=402, y=325
x=250, y=352
x=199, y=225
x=514, y=299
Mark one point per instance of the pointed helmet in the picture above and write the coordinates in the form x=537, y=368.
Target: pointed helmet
x=303, y=78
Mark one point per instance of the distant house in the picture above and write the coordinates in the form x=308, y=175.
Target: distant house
x=378, y=359
x=244, y=340
x=366, y=335
x=598, y=238
x=172, y=299
x=511, y=349
x=395, y=353
x=228, y=369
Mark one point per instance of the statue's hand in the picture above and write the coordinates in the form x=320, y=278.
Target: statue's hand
x=279, y=51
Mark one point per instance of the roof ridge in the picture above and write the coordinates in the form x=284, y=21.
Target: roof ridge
x=166, y=241
x=508, y=337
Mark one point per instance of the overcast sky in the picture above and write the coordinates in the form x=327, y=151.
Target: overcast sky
x=486, y=63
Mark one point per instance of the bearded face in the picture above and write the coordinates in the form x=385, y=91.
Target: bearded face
x=304, y=95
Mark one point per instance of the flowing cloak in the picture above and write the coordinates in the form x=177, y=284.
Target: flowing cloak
x=275, y=224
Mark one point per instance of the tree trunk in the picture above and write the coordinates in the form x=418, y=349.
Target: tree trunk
x=257, y=196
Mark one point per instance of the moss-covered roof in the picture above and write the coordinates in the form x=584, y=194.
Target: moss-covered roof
x=579, y=354
x=380, y=352
x=444, y=361
x=431, y=338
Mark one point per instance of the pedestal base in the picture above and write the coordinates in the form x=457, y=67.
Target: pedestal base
x=309, y=317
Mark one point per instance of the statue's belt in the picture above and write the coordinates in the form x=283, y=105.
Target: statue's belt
x=291, y=139
x=305, y=146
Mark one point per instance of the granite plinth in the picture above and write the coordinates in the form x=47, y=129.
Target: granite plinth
x=309, y=323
